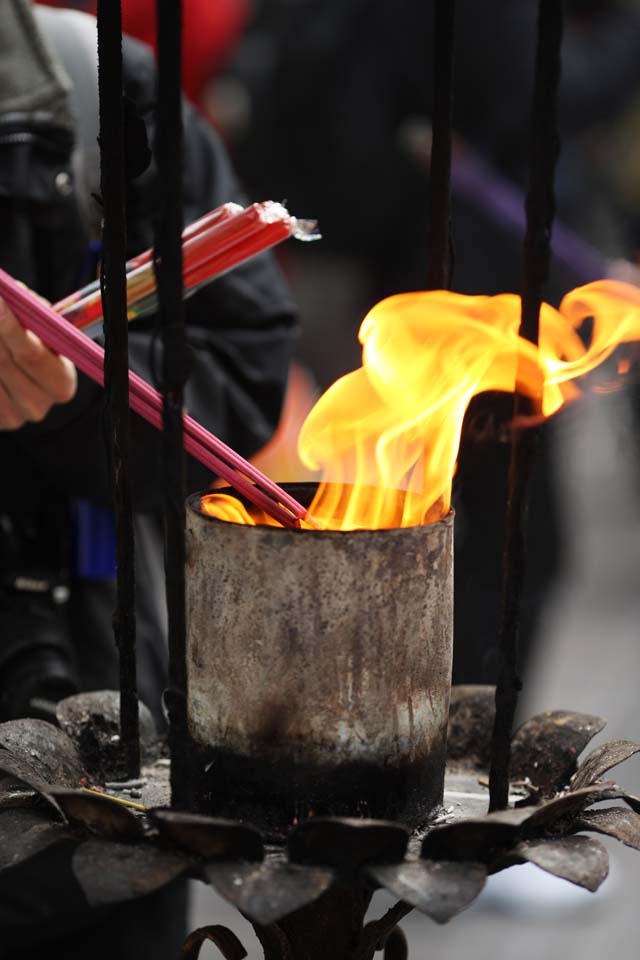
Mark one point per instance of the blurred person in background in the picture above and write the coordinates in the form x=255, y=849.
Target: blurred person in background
x=210, y=30
x=57, y=600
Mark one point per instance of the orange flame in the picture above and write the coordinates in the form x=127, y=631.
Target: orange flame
x=385, y=438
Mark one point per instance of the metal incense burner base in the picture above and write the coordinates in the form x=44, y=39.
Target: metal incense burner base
x=319, y=666
x=307, y=896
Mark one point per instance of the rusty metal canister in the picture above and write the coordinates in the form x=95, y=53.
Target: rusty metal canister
x=319, y=668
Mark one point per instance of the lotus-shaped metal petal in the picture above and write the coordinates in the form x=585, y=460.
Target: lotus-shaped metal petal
x=267, y=892
x=211, y=838
x=617, y=822
x=602, y=759
x=581, y=860
x=99, y=814
x=111, y=872
x=43, y=749
x=26, y=833
x=438, y=889
x=346, y=843
x=545, y=749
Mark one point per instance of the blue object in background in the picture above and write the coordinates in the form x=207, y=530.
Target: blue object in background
x=93, y=541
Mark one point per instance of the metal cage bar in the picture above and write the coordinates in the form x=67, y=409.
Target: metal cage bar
x=168, y=266
x=540, y=210
x=113, y=286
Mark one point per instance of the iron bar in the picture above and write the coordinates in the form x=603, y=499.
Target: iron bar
x=168, y=267
x=116, y=363
x=540, y=209
x=439, y=273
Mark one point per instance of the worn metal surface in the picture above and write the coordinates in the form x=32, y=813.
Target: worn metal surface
x=580, y=860
x=319, y=667
x=209, y=838
x=115, y=872
x=92, y=721
x=546, y=748
x=617, y=822
x=347, y=844
x=438, y=889
x=101, y=815
x=26, y=833
x=42, y=749
x=603, y=758
x=267, y=892
x=471, y=716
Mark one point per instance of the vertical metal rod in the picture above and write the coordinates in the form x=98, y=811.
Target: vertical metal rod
x=168, y=267
x=113, y=286
x=439, y=273
x=540, y=208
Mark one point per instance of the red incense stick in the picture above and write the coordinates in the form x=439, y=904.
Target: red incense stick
x=88, y=356
x=212, y=245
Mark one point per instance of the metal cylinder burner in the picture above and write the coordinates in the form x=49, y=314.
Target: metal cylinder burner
x=319, y=668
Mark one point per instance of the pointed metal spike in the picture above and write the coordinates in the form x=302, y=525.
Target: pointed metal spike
x=603, y=758
x=617, y=822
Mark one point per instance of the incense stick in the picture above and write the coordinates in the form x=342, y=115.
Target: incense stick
x=213, y=245
x=88, y=356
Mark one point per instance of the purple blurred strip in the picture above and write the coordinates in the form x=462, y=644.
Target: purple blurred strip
x=476, y=180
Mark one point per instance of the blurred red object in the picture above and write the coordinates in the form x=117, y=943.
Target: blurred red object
x=210, y=29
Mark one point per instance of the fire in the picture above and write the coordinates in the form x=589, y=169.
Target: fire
x=385, y=438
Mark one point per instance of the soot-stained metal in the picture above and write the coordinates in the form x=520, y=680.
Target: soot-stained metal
x=537, y=255
x=319, y=667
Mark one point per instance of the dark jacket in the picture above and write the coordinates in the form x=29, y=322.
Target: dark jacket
x=240, y=329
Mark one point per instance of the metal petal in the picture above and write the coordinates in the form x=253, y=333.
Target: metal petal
x=439, y=889
x=546, y=748
x=114, y=872
x=24, y=833
x=15, y=776
x=43, y=749
x=601, y=759
x=347, y=843
x=471, y=712
x=479, y=840
x=208, y=837
x=268, y=891
x=581, y=860
x=618, y=793
x=616, y=822
x=92, y=721
x=570, y=804
x=224, y=939
x=101, y=815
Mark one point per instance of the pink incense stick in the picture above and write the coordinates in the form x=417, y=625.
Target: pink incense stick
x=88, y=356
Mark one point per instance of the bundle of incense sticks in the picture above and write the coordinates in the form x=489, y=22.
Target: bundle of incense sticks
x=219, y=241
x=88, y=357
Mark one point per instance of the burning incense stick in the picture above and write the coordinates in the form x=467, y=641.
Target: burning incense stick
x=219, y=241
x=88, y=356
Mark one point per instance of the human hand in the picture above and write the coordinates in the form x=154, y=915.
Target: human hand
x=32, y=377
